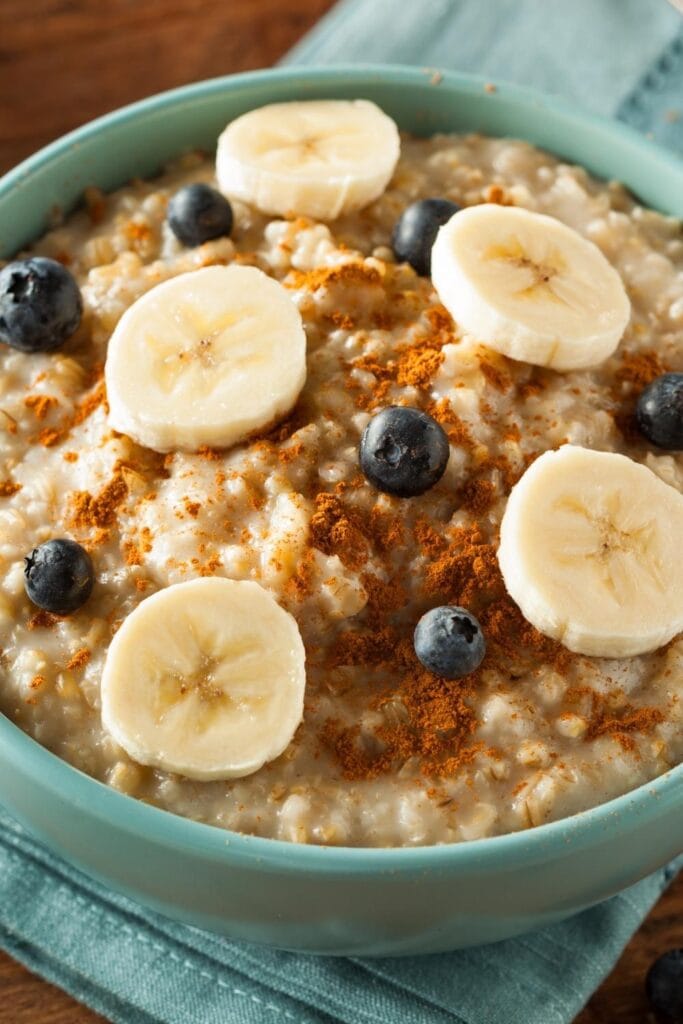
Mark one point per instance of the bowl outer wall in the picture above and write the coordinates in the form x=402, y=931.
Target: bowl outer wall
x=315, y=898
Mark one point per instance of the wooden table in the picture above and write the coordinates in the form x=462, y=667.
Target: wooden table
x=66, y=61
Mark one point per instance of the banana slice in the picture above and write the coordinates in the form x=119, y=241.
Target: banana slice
x=590, y=551
x=205, y=359
x=319, y=158
x=530, y=287
x=205, y=679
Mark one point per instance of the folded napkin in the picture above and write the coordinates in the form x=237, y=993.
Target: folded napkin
x=136, y=967
x=620, y=57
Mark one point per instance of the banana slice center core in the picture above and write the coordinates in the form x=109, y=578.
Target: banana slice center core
x=203, y=352
x=613, y=549
x=536, y=276
x=215, y=345
x=207, y=687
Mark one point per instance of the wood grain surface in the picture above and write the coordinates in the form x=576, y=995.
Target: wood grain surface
x=63, y=62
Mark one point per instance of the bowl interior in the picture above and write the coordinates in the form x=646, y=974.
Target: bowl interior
x=136, y=141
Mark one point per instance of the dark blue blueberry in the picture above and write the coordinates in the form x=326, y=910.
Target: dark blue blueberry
x=403, y=451
x=416, y=231
x=449, y=642
x=664, y=987
x=197, y=213
x=59, y=576
x=40, y=304
x=659, y=412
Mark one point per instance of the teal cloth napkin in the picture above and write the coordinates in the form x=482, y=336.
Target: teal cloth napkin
x=136, y=967
x=622, y=58
x=619, y=57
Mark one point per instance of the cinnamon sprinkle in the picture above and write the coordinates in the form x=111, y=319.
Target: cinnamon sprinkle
x=609, y=715
x=387, y=530
x=457, y=431
x=431, y=542
x=637, y=370
x=50, y=436
x=42, y=620
x=300, y=584
x=80, y=658
x=41, y=405
x=337, y=530
x=384, y=596
x=88, y=510
x=496, y=193
x=415, y=365
x=477, y=496
x=467, y=573
x=426, y=717
x=632, y=720
x=640, y=368
x=352, y=272
x=496, y=376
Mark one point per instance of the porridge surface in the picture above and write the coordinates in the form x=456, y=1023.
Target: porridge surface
x=387, y=754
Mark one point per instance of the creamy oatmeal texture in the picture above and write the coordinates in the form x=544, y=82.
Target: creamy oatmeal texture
x=387, y=754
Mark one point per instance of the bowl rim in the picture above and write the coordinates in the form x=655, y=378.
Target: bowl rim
x=66, y=783
x=469, y=84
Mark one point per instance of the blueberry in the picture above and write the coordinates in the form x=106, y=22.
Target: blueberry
x=664, y=987
x=59, y=576
x=40, y=304
x=659, y=412
x=198, y=213
x=403, y=451
x=449, y=642
x=416, y=231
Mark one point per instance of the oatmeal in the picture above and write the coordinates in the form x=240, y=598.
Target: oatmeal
x=388, y=753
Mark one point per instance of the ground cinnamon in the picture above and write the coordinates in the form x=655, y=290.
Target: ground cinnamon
x=338, y=530
x=477, y=496
x=636, y=371
x=496, y=376
x=49, y=436
x=425, y=717
x=608, y=714
x=384, y=596
x=467, y=573
x=497, y=194
x=99, y=510
x=639, y=368
x=41, y=405
x=353, y=272
x=79, y=659
x=632, y=720
x=458, y=432
x=42, y=620
x=411, y=364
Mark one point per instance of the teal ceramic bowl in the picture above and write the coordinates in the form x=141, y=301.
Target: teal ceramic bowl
x=324, y=899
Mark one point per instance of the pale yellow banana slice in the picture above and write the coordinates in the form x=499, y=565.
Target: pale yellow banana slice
x=590, y=550
x=319, y=158
x=205, y=679
x=205, y=359
x=529, y=286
